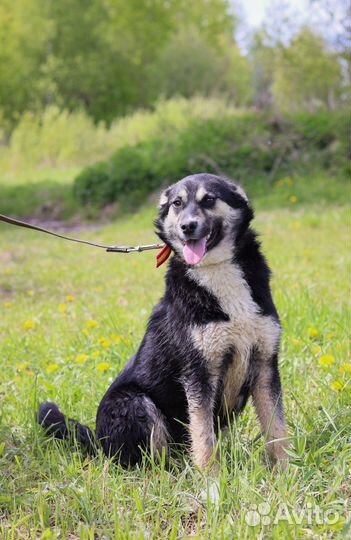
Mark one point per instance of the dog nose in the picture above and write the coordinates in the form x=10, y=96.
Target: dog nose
x=188, y=227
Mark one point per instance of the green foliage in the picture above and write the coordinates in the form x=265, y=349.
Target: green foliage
x=110, y=58
x=262, y=59
x=93, y=55
x=52, y=138
x=24, y=32
x=244, y=146
x=189, y=66
x=62, y=139
x=299, y=67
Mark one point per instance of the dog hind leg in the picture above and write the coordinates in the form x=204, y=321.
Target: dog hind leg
x=128, y=423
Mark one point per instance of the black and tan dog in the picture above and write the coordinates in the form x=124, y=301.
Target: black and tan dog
x=211, y=342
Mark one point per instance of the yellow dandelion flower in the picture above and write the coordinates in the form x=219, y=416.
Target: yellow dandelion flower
x=316, y=349
x=326, y=360
x=30, y=293
x=22, y=366
x=95, y=354
x=92, y=324
x=293, y=199
x=7, y=305
x=81, y=358
x=337, y=386
x=52, y=368
x=104, y=342
x=312, y=332
x=296, y=342
x=70, y=298
x=30, y=325
x=345, y=368
x=116, y=339
x=63, y=308
x=103, y=366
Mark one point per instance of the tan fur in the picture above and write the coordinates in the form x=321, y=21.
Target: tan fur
x=223, y=210
x=272, y=425
x=203, y=439
x=245, y=329
x=183, y=194
x=200, y=194
x=163, y=199
x=172, y=221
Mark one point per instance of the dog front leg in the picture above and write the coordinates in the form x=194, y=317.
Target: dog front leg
x=203, y=438
x=201, y=426
x=267, y=398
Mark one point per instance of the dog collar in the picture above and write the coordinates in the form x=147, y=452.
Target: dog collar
x=163, y=255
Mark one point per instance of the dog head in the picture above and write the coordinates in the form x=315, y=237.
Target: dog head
x=202, y=216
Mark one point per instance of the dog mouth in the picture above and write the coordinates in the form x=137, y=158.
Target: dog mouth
x=194, y=250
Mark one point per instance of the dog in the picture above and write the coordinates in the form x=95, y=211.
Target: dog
x=211, y=342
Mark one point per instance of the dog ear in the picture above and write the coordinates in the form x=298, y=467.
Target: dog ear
x=241, y=200
x=240, y=191
x=164, y=198
x=164, y=203
x=237, y=191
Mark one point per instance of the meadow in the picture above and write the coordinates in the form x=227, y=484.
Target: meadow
x=70, y=318
x=102, y=105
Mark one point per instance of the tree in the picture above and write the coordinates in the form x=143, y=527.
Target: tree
x=307, y=75
x=23, y=36
x=189, y=66
x=332, y=18
x=262, y=57
x=94, y=54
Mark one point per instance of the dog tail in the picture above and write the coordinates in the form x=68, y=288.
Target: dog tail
x=55, y=423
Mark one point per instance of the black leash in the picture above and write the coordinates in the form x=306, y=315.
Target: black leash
x=110, y=249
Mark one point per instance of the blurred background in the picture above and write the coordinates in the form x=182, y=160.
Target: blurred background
x=102, y=102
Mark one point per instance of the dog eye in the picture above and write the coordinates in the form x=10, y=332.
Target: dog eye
x=208, y=201
x=177, y=203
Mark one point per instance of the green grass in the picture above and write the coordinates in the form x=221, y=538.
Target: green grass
x=42, y=193
x=49, y=490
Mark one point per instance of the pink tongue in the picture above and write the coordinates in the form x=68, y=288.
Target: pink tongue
x=194, y=250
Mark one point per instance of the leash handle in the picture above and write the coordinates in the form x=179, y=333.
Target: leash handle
x=109, y=249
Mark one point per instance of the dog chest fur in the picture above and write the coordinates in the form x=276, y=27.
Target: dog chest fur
x=245, y=329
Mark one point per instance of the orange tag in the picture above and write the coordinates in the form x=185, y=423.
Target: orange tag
x=163, y=255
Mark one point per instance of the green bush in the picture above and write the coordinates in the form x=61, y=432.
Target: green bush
x=246, y=146
x=61, y=139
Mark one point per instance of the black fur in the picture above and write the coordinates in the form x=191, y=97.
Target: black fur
x=154, y=387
